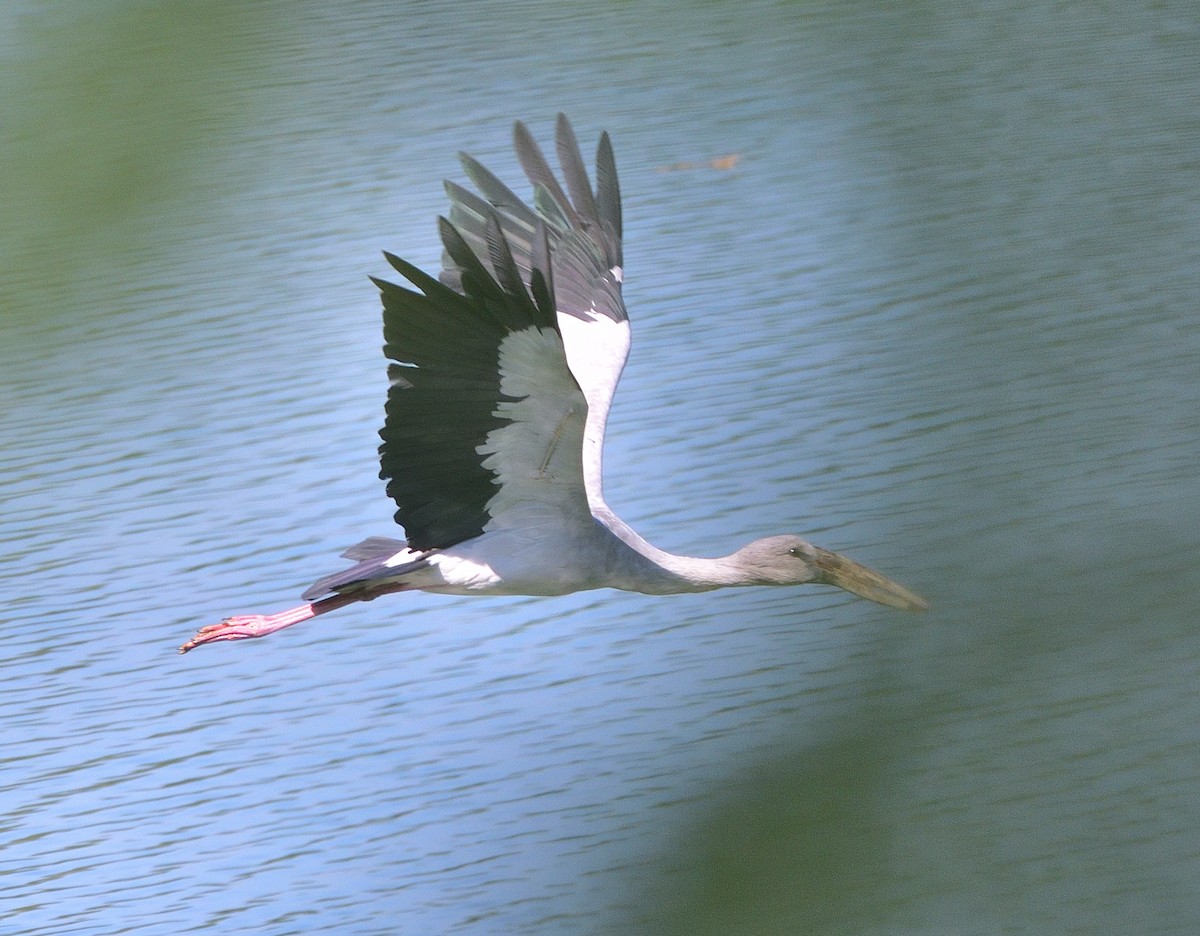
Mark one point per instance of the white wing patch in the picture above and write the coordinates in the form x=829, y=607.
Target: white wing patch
x=462, y=575
x=404, y=557
x=537, y=457
x=596, y=352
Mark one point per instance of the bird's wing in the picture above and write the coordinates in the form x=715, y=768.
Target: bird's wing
x=583, y=234
x=485, y=422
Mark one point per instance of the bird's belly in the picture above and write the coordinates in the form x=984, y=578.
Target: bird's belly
x=518, y=571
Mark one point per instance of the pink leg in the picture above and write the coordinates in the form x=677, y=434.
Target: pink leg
x=259, y=625
x=244, y=626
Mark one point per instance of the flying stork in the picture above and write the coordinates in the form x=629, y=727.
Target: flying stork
x=503, y=371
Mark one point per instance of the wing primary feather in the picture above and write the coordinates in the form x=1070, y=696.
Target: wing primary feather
x=496, y=192
x=529, y=154
x=507, y=274
x=571, y=161
x=415, y=275
x=475, y=277
x=541, y=276
x=469, y=214
x=608, y=191
x=550, y=209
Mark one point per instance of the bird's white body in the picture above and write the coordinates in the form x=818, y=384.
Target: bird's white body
x=505, y=369
x=517, y=562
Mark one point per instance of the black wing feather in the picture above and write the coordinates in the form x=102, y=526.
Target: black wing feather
x=608, y=196
x=574, y=172
x=444, y=396
x=529, y=154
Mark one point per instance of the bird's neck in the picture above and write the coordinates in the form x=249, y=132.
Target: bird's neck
x=695, y=574
x=658, y=572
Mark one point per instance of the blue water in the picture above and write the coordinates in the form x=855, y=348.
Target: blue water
x=940, y=315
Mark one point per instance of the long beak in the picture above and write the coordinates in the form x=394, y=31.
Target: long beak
x=845, y=573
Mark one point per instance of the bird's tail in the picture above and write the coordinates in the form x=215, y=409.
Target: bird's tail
x=379, y=558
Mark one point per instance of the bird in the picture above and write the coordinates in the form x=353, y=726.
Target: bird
x=502, y=370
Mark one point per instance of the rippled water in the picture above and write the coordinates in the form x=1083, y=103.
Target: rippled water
x=940, y=314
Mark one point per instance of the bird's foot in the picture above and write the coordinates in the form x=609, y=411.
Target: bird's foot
x=245, y=626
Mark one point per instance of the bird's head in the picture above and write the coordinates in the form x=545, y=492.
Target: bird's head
x=789, y=560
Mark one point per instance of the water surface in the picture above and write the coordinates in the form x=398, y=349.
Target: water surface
x=938, y=315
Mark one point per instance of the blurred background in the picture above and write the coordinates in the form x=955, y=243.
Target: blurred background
x=917, y=281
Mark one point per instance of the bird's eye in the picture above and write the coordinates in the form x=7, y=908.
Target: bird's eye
x=794, y=551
